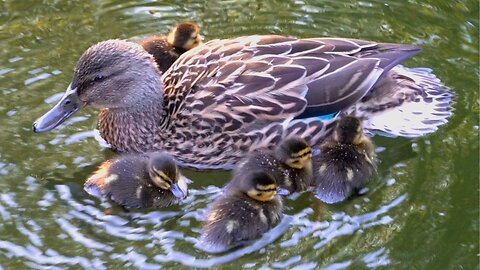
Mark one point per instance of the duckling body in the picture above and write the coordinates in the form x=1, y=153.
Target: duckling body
x=248, y=208
x=290, y=164
x=346, y=162
x=139, y=181
x=167, y=49
x=163, y=52
x=226, y=98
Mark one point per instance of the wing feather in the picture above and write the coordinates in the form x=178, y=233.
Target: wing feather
x=244, y=82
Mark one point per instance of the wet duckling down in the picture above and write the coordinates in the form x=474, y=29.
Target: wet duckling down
x=248, y=207
x=167, y=49
x=346, y=162
x=290, y=163
x=139, y=181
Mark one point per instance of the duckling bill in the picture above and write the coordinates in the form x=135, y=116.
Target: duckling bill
x=346, y=162
x=290, y=164
x=167, y=49
x=139, y=181
x=248, y=208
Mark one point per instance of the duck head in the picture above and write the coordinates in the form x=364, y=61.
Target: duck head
x=349, y=131
x=259, y=185
x=112, y=74
x=185, y=36
x=164, y=173
x=295, y=153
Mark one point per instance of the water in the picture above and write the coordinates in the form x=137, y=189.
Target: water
x=421, y=212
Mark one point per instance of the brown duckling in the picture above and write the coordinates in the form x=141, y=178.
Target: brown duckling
x=248, y=207
x=346, y=161
x=290, y=163
x=167, y=49
x=139, y=181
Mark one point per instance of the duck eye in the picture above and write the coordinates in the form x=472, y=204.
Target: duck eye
x=98, y=78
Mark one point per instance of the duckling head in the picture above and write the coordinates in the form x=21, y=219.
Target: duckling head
x=164, y=173
x=185, y=36
x=349, y=131
x=259, y=186
x=294, y=152
x=112, y=74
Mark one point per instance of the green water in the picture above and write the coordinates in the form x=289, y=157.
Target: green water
x=422, y=212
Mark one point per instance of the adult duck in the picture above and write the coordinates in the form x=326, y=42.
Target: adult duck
x=227, y=97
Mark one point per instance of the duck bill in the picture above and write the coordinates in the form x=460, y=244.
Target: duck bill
x=282, y=191
x=177, y=191
x=66, y=107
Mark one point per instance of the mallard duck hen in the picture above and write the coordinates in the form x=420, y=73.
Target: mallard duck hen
x=227, y=97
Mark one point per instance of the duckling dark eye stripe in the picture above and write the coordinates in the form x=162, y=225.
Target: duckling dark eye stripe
x=163, y=176
x=167, y=181
x=302, y=153
x=266, y=190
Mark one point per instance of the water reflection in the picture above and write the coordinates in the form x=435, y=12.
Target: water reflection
x=154, y=230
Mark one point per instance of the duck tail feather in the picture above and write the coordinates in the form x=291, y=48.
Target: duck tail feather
x=408, y=102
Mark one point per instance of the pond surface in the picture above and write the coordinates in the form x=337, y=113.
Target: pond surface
x=421, y=212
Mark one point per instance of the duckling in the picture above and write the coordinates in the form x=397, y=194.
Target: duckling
x=166, y=50
x=139, y=181
x=290, y=164
x=346, y=161
x=248, y=207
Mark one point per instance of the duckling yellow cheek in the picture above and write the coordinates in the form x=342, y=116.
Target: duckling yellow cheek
x=294, y=163
x=160, y=182
x=268, y=196
x=266, y=187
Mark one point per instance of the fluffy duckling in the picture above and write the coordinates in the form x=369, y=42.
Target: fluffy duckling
x=167, y=49
x=290, y=164
x=346, y=161
x=139, y=181
x=248, y=207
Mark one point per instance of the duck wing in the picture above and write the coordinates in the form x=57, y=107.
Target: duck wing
x=240, y=83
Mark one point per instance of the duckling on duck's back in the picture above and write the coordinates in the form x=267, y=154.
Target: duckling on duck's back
x=139, y=181
x=346, y=162
x=248, y=208
x=290, y=164
x=226, y=98
x=166, y=50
